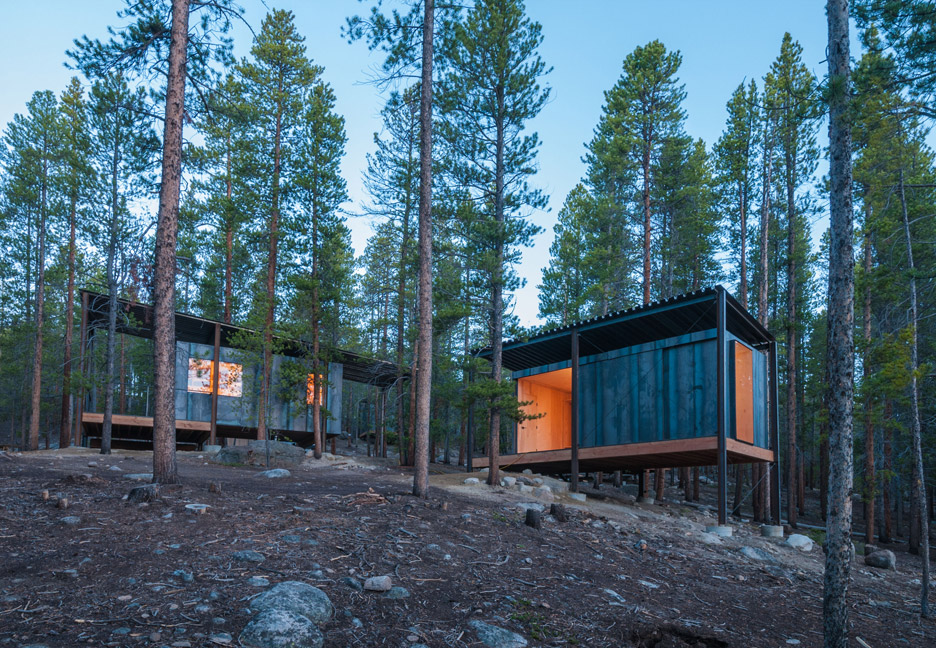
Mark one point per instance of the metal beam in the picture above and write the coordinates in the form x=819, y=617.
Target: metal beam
x=722, y=389
x=575, y=411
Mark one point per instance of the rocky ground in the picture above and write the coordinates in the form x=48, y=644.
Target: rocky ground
x=340, y=554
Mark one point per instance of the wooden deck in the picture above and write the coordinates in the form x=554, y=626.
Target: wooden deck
x=702, y=451
x=137, y=432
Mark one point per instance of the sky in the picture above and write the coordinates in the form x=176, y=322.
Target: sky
x=723, y=43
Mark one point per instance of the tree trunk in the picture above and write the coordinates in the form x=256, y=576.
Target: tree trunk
x=424, y=372
x=271, y=286
x=164, y=344
x=869, y=475
x=65, y=423
x=887, y=533
x=228, y=239
x=111, y=275
x=792, y=459
x=36, y=403
x=762, y=492
x=841, y=348
x=497, y=287
x=918, y=515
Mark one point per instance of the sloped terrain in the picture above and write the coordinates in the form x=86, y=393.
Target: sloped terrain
x=107, y=572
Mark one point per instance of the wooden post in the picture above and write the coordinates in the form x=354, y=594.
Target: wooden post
x=83, y=340
x=773, y=416
x=215, y=379
x=575, y=411
x=722, y=388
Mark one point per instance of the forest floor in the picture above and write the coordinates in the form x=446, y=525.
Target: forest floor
x=614, y=574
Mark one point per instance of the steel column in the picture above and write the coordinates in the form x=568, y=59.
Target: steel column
x=215, y=379
x=575, y=411
x=722, y=388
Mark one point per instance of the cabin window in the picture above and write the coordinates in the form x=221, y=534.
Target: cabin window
x=744, y=392
x=230, y=381
x=550, y=397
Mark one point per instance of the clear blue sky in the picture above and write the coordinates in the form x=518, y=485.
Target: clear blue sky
x=722, y=43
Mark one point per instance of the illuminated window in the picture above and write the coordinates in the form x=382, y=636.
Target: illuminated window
x=310, y=385
x=230, y=378
x=744, y=393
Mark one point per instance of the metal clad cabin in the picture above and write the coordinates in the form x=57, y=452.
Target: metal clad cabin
x=689, y=381
x=217, y=381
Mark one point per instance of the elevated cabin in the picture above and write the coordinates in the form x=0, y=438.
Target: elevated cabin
x=218, y=372
x=687, y=381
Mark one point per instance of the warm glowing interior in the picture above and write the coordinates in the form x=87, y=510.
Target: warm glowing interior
x=744, y=393
x=551, y=396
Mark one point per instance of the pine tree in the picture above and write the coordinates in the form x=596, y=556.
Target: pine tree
x=793, y=89
x=564, y=293
x=123, y=146
x=735, y=163
x=275, y=79
x=491, y=90
x=841, y=315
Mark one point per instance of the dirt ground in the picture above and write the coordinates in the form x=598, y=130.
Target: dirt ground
x=614, y=574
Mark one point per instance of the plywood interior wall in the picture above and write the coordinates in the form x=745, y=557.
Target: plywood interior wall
x=551, y=395
x=744, y=393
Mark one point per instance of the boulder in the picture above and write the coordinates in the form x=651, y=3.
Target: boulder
x=799, y=541
x=472, y=481
x=232, y=456
x=281, y=629
x=494, y=637
x=508, y=482
x=281, y=453
x=543, y=492
x=882, y=559
x=297, y=598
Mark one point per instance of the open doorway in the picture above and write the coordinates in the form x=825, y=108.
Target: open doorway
x=550, y=394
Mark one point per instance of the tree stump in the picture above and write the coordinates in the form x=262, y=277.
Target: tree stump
x=62, y=503
x=214, y=487
x=533, y=519
x=147, y=493
x=558, y=511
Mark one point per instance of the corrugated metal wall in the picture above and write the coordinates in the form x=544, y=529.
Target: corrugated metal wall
x=659, y=391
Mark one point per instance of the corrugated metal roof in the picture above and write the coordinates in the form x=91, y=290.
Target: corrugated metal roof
x=199, y=330
x=659, y=320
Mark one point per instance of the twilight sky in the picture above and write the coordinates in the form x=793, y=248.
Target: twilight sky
x=723, y=43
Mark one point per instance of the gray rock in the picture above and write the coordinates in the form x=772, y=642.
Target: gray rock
x=221, y=638
x=258, y=581
x=71, y=520
x=248, y=555
x=186, y=577
x=275, y=473
x=543, y=492
x=211, y=449
x=723, y=531
x=508, y=482
x=472, y=481
x=232, y=456
x=799, y=541
x=281, y=453
x=755, y=553
x=140, y=476
x=115, y=469
x=353, y=583
x=882, y=559
x=524, y=489
x=378, y=584
x=290, y=538
x=495, y=637
x=397, y=593
x=578, y=497
x=298, y=598
x=281, y=629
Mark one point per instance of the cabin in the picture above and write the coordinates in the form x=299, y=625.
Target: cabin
x=686, y=381
x=218, y=371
